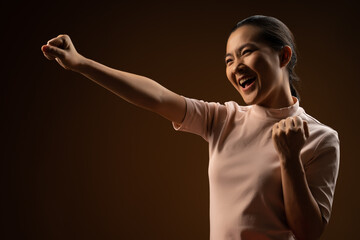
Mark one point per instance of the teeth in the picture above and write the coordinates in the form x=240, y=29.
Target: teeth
x=244, y=80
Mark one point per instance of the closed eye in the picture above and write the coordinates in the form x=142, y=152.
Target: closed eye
x=246, y=51
x=227, y=61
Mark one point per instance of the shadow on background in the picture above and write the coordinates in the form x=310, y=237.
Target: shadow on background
x=80, y=163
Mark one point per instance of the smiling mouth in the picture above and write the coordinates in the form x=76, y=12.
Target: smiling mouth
x=246, y=82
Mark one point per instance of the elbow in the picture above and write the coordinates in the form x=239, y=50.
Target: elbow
x=313, y=231
x=321, y=228
x=153, y=101
x=308, y=236
x=148, y=102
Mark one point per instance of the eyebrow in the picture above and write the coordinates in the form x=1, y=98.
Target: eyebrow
x=240, y=49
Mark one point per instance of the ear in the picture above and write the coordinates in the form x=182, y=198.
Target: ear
x=285, y=55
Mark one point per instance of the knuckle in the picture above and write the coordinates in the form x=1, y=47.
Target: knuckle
x=51, y=41
x=63, y=37
x=62, y=55
x=289, y=121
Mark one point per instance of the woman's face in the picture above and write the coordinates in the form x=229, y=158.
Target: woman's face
x=255, y=69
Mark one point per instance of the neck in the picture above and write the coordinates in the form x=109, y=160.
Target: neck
x=279, y=99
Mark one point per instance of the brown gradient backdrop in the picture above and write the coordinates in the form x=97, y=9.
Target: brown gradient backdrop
x=80, y=163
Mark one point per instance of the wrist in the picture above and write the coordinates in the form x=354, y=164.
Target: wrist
x=292, y=163
x=81, y=64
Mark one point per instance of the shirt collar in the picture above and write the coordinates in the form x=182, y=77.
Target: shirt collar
x=278, y=113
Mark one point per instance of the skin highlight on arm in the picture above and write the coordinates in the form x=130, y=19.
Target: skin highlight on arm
x=138, y=90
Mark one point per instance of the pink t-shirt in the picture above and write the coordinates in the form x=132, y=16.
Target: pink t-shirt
x=246, y=200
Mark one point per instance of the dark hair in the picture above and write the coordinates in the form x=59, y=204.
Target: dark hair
x=277, y=35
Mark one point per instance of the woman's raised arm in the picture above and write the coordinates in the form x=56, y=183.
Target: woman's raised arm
x=138, y=90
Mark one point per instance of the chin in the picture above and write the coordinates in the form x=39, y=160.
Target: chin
x=249, y=99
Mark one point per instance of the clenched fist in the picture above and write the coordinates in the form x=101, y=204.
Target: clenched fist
x=63, y=51
x=289, y=137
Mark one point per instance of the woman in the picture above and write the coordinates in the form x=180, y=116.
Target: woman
x=273, y=168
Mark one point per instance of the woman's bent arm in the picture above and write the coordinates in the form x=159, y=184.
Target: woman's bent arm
x=138, y=90
x=301, y=209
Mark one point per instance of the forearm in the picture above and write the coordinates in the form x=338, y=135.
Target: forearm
x=138, y=90
x=302, y=211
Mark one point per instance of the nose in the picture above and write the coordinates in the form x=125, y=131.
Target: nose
x=238, y=67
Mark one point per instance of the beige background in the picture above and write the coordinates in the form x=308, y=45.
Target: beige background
x=80, y=163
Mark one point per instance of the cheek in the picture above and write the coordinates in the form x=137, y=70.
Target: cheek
x=264, y=66
x=227, y=73
x=259, y=64
x=229, y=76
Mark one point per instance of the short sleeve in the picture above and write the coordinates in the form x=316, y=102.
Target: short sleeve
x=322, y=172
x=201, y=117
